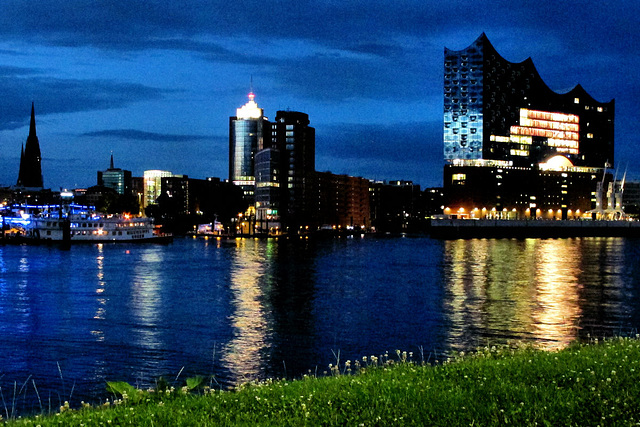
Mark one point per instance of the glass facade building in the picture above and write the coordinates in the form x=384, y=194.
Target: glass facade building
x=246, y=137
x=116, y=178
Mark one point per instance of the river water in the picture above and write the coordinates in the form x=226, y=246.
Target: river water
x=250, y=309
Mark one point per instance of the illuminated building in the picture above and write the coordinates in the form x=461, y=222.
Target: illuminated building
x=30, y=174
x=514, y=147
x=115, y=178
x=152, y=181
x=247, y=131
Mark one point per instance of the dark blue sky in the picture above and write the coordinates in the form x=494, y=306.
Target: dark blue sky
x=155, y=82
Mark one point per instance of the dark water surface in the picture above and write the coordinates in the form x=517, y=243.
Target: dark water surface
x=253, y=309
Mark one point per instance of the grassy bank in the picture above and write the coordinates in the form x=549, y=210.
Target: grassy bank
x=584, y=385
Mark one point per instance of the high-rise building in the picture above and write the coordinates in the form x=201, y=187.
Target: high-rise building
x=285, y=172
x=30, y=174
x=512, y=146
x=247, y=132
x=296, y=142
x=116, y=178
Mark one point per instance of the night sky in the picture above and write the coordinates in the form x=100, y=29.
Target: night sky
x=155, y=82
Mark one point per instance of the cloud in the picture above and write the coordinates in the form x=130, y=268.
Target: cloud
x=137, y=135
x=10, y=71
x=55, y=95
x=139, y=25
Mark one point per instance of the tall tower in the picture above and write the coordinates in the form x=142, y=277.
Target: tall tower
x=247, y=130
x=30, y=174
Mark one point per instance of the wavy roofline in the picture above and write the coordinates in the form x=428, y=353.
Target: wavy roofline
x=578, y=89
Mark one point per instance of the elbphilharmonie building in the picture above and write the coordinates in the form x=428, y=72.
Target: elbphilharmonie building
x=514, y=147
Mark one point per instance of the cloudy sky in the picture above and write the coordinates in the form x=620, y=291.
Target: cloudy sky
x=155, y=82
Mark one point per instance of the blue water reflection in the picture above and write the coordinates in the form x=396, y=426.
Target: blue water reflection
x=250, y=309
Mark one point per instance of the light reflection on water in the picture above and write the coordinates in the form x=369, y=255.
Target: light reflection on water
x=100, y=288
x=243, y=354
x=535, y=289
x=251, y=309
x=146, y=299
x=557, y=313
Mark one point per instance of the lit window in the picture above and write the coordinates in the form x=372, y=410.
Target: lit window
x=576, y=100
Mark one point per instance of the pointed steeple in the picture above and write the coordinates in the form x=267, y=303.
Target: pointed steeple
x=30, y=174
x=111, y=164
x=32, y=124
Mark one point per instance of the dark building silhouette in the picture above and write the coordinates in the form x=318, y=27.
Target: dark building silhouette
x=294, y=142
x=397, y=206
x=341, y=202
x=512, y=146
x=185, y=202
x=30, y=174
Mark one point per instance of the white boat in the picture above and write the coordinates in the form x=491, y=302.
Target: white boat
x=89, y=227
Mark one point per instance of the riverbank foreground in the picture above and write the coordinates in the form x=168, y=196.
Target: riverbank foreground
x=584, y=385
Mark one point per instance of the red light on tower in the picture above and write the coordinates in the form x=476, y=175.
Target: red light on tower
x=251, y=96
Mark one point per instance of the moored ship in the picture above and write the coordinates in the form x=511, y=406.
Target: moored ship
x=76, y=224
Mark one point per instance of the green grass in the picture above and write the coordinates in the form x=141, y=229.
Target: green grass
x=583, y=385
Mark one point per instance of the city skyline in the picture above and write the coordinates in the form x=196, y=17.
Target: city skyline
x=155, y=85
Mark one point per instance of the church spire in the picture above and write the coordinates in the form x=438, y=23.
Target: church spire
x=32, y=124
x=30, y=174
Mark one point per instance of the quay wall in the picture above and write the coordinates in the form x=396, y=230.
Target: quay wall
x=470, y=228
